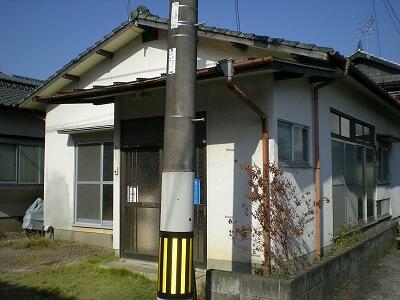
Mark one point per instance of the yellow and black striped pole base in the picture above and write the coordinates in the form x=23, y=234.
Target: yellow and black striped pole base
x=175, y=265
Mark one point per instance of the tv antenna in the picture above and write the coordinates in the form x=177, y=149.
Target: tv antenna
x=367, y=30
x=129, y=9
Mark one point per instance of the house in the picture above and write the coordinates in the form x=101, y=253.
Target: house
x=384, y=72
x=21, y=151
x=104, y=138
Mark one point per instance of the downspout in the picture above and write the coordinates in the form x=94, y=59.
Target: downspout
x=317, y=163
x=228, y=70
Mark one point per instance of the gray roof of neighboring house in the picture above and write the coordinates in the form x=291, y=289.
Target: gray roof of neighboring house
x=14, y=88
x=147, y=19
x=361, y=54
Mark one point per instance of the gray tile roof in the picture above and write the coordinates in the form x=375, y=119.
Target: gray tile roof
x=14, y=88
x=154, y=20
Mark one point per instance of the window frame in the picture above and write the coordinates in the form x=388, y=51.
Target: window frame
x=103, y=224
x=40, y=149
x=293, y=162
x=353, y=124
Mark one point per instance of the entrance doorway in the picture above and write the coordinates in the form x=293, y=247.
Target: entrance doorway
x=141, y=170
x=141, y=195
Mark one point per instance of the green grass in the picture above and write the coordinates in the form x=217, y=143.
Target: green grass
x=85, y=279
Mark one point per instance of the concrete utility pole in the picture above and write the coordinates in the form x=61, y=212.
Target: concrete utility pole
x=175, y=264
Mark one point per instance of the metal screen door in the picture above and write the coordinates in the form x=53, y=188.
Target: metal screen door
x=141, y=202
x=141, y=198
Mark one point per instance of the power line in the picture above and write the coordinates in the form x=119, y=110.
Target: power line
x=397, y=17
x=391, y=17
x=377, y=30
x=237, y=15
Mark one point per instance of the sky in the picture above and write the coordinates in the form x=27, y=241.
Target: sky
x=38, y=37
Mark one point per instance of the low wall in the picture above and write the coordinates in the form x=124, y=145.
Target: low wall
x=318, y=282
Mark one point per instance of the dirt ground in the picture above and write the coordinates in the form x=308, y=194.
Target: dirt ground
x=20, y=253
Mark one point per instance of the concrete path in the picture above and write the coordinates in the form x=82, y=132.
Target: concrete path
x=148, y=269
x=379, y=281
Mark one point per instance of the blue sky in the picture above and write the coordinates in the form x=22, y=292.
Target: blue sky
x=37, y=37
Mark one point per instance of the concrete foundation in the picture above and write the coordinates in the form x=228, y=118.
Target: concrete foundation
x=102, y=239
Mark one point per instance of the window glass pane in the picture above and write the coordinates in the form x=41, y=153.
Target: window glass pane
x=108, y=159
x=8, y=159
x=385, y=165
x=379, y=164
x=284, y=142
x=108, y=202
x=300, y=144
x=351, y=166
x=335, y=126
x=369, y=180
x=28, y=164
x=41, y=164
x=337, y=163
x=345, y=127
x=367, y=134
x=89, y=162
x=88, y=203
x=369, y=167
x=359, y=131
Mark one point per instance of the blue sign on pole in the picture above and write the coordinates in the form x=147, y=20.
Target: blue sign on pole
x=196, y=191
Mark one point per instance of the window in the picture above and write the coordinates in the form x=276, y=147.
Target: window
x=8, y=166
x=382, y=165
x=94, y=184
x=21, y=163
x=292, y=143
x=340, y=125
x=350, y=128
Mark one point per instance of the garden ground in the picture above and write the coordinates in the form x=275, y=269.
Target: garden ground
x=38, y=268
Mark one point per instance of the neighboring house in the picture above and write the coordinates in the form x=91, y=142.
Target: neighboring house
x=383, y=72
x=104, y=138
x=21, y=151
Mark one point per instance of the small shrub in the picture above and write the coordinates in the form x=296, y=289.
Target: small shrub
x=282, y=220
x=349, y=235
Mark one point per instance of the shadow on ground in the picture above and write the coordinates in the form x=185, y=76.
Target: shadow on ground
x=10, y=291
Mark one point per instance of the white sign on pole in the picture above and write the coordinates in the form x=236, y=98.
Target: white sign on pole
x=171, y=60
x=175, y=15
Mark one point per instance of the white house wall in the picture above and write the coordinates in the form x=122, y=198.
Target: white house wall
x=60, y=159
x=293, y=103
x=233, y=139
x=133, y=60
x=354, y=100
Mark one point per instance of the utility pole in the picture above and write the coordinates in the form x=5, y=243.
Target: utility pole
x=175, y=262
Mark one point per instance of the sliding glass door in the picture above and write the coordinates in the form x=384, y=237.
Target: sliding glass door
x=353, y=184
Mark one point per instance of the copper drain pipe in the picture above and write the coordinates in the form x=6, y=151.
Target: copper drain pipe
x=228, y=66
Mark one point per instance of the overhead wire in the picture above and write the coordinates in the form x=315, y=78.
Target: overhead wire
x=391, y=17
x=377, y=29
x=237, y=15
x=394, y=12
